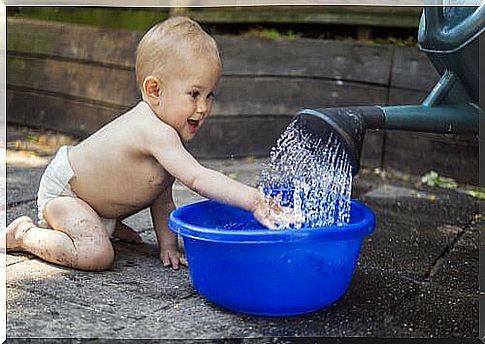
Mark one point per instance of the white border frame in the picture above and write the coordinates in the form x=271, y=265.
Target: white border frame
x=142, y=3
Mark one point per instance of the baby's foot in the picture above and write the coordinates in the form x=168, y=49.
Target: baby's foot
x=127, y=234
x=12, y=236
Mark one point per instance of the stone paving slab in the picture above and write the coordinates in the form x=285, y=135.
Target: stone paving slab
x=416, y=276
x=454, y=272
x=22, y=183
x=415, y=219
x=27, y=208
x=440, y=312
x=34, y=315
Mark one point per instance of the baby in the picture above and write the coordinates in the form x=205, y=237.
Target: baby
x=132, y=162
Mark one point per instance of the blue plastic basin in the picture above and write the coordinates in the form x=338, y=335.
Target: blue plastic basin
x=242, y=266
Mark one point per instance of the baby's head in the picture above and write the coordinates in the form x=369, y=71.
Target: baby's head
x=177, y=70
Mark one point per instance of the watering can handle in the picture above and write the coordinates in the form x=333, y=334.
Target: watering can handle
x=435, y=35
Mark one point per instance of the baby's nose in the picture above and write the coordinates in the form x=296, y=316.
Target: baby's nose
x=202, y=106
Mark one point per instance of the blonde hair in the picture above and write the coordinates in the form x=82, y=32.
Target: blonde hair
x=167, y=41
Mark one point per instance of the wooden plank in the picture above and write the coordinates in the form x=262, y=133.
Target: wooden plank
x=372, y=149
x=285, y=96
x=454, y=156
x=306, y=57
x=90, y=82
x=413, y=70
x=223, y=137
x=65, y=115
x=387, y=16
x=142, y=18
x=134, y=19
x=78, y=42
x=399, y=96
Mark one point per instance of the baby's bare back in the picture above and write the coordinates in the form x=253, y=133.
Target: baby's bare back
x=113, y=173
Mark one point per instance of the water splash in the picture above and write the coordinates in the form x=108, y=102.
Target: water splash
x=310, y=174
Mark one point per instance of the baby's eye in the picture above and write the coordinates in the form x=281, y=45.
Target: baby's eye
x=194, y=93
x=211, y=95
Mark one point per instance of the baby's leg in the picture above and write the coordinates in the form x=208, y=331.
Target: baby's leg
x=78, y=239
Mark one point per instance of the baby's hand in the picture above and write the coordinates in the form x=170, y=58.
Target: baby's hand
x=171, y=256
x=272, y=215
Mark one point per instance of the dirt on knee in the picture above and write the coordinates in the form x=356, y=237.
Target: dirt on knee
x=95, y=257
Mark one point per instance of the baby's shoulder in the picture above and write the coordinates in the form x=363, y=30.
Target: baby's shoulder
x=157, y=130
x=156, y=134
x=148, y=130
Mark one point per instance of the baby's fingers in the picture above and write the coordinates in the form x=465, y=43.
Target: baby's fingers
x=168, y=260
x=165, y=258
x=264, y=220
x=269, y=224
x=174, y=260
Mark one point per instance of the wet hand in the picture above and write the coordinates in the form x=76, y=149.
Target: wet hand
x=171, y=256
x=272, y=215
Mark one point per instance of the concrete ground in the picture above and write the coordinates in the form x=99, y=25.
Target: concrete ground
x=416, y=276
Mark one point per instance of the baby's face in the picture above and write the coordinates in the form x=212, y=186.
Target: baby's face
x=188, y=95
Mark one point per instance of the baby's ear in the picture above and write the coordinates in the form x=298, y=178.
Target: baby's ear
x=152, y=89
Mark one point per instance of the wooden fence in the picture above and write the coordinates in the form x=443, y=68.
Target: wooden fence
x=75, y=78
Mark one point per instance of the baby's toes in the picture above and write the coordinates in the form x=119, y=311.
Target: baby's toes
x=12, y=236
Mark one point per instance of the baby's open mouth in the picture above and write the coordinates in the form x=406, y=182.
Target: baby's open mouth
x=193, y=122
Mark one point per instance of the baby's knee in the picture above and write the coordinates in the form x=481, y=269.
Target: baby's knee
x=96, y=258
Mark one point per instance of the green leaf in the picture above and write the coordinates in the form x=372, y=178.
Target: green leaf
x=480, y=194
x=432, y=178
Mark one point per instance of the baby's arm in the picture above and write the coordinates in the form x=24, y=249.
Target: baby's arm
x=167, y=240
x=169, y=151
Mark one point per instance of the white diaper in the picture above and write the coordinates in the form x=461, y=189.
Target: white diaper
x=55, y=183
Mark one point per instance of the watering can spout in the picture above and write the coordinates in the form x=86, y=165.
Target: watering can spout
x=349, y=123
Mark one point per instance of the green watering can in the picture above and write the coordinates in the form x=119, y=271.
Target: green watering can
x=450, y=38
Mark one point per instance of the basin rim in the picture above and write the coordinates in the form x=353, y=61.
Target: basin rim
x=358, y=229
